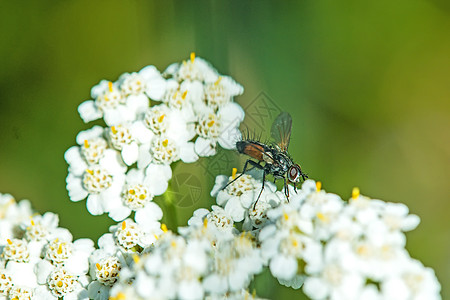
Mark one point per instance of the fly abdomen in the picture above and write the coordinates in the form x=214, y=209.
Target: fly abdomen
x=251, y=149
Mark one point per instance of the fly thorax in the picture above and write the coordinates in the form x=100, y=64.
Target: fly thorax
x=267, y=158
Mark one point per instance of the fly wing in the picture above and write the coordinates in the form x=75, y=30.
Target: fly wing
x=281, y=130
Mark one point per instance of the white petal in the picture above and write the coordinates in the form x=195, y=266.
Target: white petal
x=204, y=147
x=42, y=292
x=284, y=267
x=141, y=133
x=98, y=291
x=145, y=286
x=233, y=88
x=154, y=171
x=221, y=181
x=156, y=88
x=295, y=282
x=95, y=132
x=94, y=205
x=172, y=69
x=235, y=209
x=77, y=263
x=22, y=274
x=106, y=242
x=62, y=234
x=247, y=198
x=231, y=113
x=215, y=283
x=111, y=199
x=187, y=153
x=410, y=222
x=84, y=245
x=43, y=269
x=149, y=72
x=119, y=213
x=145, y=156
x=138, y=104
x=99, y=89
x=88, y=111
x=130, y=153
x=117, y=116
x=194, y=88
x=112, y=162
x=315, y=288
x=190, y=290
x=222, y=197
x=75, y=188
x=238, y=280
x=229, y=137
x=151, y=212
x=76, y=162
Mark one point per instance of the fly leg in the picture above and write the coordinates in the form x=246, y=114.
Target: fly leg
x=262, y=188
x=254, y=164
x=286, y=189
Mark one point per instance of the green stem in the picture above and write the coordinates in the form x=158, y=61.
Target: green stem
x=170, y=214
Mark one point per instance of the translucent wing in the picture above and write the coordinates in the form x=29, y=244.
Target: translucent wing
x=281, y=130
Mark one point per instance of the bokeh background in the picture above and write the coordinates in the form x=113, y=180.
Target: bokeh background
x=367, y=84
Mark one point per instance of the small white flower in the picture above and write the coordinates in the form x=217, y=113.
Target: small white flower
x=156, y=119
x=209, y=227
x=155, y=84
x=130, y=235
x=396, y=216
x=222, y=91
x=12, y=214
x=132, y=84
x=164, y=151
x=21, y=292
x=235, y=263
x=414, y=282
x=43, y=228
x=334, y=281
x=102, y=184
x=222, y=128
x=238, y=197
x=173, y=131
x=113, y=105
x=64, y=285
x=195, y=69
x=16, y=250
x=122, y=140
x=287, y=241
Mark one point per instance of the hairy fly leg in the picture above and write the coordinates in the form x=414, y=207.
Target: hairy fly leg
x=249, y=161
x=262, y=188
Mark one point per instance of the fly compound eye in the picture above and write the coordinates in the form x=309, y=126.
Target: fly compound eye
x=293, y=174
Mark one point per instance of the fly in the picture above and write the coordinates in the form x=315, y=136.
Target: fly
x=273, y=158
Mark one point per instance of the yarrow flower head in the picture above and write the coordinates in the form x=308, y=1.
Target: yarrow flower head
x=153, y=120
x=40, y=261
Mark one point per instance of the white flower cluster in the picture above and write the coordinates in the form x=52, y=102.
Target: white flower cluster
x=210, y=259
x=38, y=259
x=152, y=120
x=335, y=249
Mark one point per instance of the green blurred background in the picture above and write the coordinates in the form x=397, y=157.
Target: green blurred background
x=367, y=84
